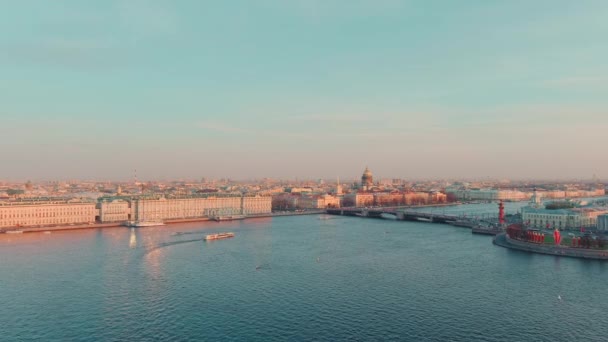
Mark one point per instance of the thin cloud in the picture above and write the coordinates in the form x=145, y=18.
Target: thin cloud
x=83, y=53
x=320, y=9
x=221, y=127
x=576, y=81
x=293, y=134
x=332, y=118
x=148, y=17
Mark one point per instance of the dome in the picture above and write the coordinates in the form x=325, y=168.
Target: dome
x=367, y=179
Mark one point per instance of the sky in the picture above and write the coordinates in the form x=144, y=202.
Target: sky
x=303, y=89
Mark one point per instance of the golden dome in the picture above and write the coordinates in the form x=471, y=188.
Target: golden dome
x=367, y=179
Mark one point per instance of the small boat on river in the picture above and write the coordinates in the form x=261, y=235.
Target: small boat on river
x=229, y=218
x=219, y=236
x=142, y=224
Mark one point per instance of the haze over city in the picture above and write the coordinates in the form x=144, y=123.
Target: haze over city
x=303, y=170
x=309, y=89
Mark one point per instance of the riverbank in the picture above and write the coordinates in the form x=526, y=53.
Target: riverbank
x=503, y=241
x=14, y=230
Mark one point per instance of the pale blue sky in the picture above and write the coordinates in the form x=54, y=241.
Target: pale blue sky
x=303, y=88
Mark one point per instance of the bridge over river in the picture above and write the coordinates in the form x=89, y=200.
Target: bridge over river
x=478, y=226
x=402, y=215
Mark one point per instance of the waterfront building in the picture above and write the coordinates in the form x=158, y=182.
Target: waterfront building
x=554, y=194
x=535, y=216
x=51, y=212
x=252, y=205
x=318, y=202
x=438, y=197
x=572, y=193
x=602, y=222
x=544, y=218
x=517, y=195
x=285, y=201
x=46, y=212
x=488, y=195
x=389, y=198
x=188, y=207
x=395, y=198
x=358, y=199
x=114, y=210
x=421, y=197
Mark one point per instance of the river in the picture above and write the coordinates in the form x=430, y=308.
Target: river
x=293, y=279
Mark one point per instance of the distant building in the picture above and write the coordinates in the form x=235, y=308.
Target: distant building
x=367, y=180
x=285, y=201
x=298, y=190
x=358, y=199
x=318, y=202
x=256, y=205
x=116, y=210
x=602, y=222
x=516, y=195
x=487, y=195
x=46, y=212
x=338, y=187
x=535, y=200
x=389, y=199
x=536, y=216
x=184, y=207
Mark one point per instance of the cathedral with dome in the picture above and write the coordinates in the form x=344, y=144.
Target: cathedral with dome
x=367, y=180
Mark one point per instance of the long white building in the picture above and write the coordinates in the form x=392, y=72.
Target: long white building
x=155, y=208
x=516, y=195
x=122, y=209
x=46, y=213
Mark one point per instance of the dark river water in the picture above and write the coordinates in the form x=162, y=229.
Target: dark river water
x=306, y=278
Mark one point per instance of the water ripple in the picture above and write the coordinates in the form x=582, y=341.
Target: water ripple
x=295, y=278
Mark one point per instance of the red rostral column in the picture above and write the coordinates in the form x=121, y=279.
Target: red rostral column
x=501, y=213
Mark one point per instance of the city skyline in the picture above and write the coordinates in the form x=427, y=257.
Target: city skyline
x=303, y=89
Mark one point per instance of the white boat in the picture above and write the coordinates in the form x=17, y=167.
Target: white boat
x=219, y=236
x=142, y=224
x=14, y=232
x=229, y=218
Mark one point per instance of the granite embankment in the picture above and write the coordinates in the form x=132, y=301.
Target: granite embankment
x=12, y=230
x=504, y=241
